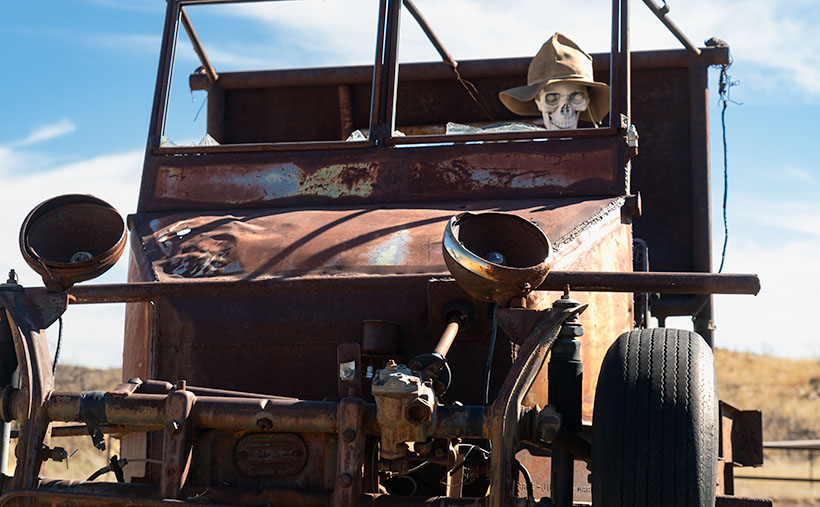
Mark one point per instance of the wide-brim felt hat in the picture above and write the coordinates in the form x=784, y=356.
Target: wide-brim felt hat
x=559, y=60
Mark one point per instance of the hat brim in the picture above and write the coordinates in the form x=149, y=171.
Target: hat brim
x=521, y=99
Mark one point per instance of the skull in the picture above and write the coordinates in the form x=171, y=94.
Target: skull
x=560, y=104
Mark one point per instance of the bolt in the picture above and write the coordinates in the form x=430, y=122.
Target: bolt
x=264, y=424
x=173, y=426
x=181, y=385
x=348, y=374
x=12, y=277
x=345, y=480
x=171, y=471
x=349, y=435
x=369, y=373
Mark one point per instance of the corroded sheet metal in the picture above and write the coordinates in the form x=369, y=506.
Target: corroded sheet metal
x=554, y=168
x=365, y=240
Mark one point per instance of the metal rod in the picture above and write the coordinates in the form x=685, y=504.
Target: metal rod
x=803, y=445
x=785, y=479
x=662, y=283
x=449, y=334
x=590, y=281
x=200, y=51
x=390, y=77
x=431, y=35
x=661, y=14
x=162, y=87
x=375, y=74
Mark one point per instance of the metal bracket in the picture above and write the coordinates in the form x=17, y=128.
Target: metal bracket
x=350, y=417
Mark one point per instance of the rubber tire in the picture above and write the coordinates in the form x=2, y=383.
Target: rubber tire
x=655, y=422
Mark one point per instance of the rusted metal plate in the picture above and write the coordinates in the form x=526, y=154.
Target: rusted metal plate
x=277, y=454
x=522, y=170
x=366, y=240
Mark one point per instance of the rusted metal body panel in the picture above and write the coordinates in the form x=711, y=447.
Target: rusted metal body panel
x=191, y=331
x=497, y=171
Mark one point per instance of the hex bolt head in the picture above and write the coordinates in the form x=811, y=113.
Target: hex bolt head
x=264, y=424
x=349, y=435
x=345, y=480
x=181, y=385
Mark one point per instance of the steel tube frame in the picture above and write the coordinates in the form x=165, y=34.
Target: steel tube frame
x=588, y=281
x=147, y=412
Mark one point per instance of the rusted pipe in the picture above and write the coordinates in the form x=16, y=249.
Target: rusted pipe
x=591, y=281
x=431, y=35
x=657, y=282
x=449, y=334
x=140, y=412
x=660, y=12
x=200, y=51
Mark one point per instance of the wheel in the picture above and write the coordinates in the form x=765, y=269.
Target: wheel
x=655, y=422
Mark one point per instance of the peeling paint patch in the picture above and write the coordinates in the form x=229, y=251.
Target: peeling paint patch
x=338, y=180
x=391, y=252
x=221, y=184
x=532, y=180
x=484, y=177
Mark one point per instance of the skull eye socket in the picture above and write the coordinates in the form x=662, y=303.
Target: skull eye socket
x=577, y=98
x=552, y=98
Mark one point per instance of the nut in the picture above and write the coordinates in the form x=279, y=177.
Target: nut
x=264, y=424
x=349, y=435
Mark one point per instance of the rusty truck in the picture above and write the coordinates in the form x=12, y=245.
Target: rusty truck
x=403, y=317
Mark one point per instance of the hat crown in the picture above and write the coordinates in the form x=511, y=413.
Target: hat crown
x=559, y=57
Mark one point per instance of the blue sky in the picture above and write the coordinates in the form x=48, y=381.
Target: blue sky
x=78, y=81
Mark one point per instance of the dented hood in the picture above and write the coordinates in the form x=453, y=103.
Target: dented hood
x=271, y=243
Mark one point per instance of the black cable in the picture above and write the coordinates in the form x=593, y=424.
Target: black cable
x=57, y=350
x=528, y=480
x=724, y=88
x=488, y=368
x=725, y=179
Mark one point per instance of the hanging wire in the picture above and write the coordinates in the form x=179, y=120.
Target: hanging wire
x=724, y=88
x=57, y=350
x=724, y=91
x=489, y=366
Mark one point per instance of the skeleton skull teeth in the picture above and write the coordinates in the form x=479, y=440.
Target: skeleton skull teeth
x=561, y=103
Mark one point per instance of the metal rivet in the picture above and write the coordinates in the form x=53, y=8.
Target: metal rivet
x=349, y=434
x=264, y=424
x=345, y=480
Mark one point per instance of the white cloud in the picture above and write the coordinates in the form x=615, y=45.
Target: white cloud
x=789, y=216
x=61, y=128
x=778, y=320
x=131, y=42
x=776, y=37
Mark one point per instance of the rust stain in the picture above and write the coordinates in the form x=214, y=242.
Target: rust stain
x=266, y=183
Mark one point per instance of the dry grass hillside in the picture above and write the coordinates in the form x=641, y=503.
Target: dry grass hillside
x=787, y=391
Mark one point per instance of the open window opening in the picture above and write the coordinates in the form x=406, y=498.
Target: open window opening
x=563, y=63
x=260, y=72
